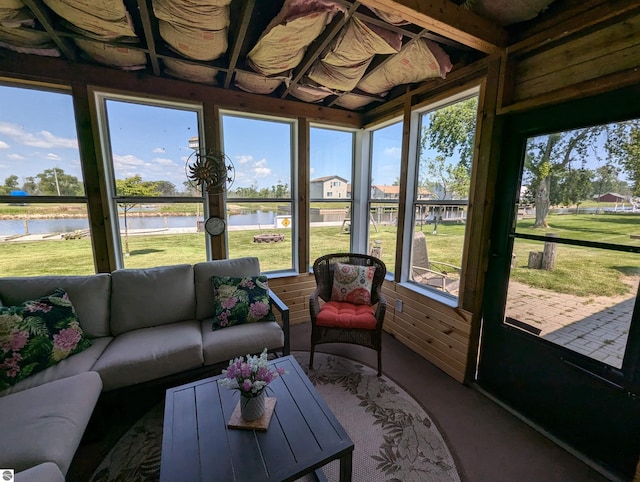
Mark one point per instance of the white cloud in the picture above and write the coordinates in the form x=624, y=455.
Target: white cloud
x=244, y=159
x=4, y=145
x=164, y=162
x=126, y=162
x=15, y=157
x=53, y=157
x=42, y=139
x=262, y=171
x=393, y=152
x=158, y=150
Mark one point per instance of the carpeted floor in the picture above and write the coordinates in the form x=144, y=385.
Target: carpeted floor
x=487, y=442
x=395, y=439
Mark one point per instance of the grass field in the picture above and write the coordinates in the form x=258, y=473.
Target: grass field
x=579, y=271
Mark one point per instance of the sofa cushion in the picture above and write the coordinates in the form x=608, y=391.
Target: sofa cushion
x=148, y=353
x=36, y=335
x=78, y=363
x=241, y=300
x=90, y=296
x=142, y=298
x=46, y=422
x=352, y=283
x=223, y=345
x=203, y=272
x=46, y=472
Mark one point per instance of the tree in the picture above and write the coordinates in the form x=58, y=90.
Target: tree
x=625, y=148
x=10, y=184
x=165, y=188
x=448, y=131
x=129, y=187
x=575, y=187
x=54, y=182
x=553, y=154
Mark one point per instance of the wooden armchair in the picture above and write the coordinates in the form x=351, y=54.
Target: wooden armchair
x=344, y=321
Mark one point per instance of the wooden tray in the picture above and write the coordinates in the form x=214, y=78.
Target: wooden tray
x=262, y=423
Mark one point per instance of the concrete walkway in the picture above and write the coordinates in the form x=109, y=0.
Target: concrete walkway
x=596, y=326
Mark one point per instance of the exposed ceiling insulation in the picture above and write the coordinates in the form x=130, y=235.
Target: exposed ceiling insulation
x=352, y=55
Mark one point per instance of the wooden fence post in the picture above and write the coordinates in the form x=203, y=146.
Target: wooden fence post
x=535, y=259
x=549, y=256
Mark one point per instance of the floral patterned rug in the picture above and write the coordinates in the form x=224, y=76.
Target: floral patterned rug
x=395, y=440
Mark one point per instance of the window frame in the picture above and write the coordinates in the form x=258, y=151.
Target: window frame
x=411, y=200
x=294, y=126
x=100, y=98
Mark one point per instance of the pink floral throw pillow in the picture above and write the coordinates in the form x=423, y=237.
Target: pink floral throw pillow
x=241, y=300
x=352, y=283
x=37, y=335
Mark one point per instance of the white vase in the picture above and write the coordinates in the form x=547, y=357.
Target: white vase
x=252, y=408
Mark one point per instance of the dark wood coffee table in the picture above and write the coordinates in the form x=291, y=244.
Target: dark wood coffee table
x=302, y=437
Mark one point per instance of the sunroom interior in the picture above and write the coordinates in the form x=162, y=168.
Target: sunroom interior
x=334, y=134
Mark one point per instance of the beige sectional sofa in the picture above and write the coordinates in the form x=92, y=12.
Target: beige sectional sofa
x=144, y=324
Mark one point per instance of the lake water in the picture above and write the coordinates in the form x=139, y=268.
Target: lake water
x=10, y=227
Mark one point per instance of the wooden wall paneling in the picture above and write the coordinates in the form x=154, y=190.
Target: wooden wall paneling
x=435, y=331
x=303, y=194
x=433, y=355
x=295, y=291
x=605, y=51
x=578, y=18
x=481, y=202
x=104, y=252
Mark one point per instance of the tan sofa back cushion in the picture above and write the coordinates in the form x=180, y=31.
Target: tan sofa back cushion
x=238, y=267
x=141, y=298
x=88, y=294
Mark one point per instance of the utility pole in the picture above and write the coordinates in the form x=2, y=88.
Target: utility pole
x=55, y=176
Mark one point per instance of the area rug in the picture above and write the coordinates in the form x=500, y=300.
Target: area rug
x=395, y=440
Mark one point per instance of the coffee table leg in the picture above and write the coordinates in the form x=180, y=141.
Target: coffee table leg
x=345, y=467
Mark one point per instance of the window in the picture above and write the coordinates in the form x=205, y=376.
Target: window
x=158, y=211
x=576, y=240
x=386, y=146
x=441, y=194
x=44, y=225
x=260, y=201
x=331, y=163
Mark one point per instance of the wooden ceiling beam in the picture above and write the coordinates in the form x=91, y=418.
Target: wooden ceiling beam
x=147, y=27
x=57, y=71
x=318, y=46
x=42, y=14
x=445, y=18
x=238, y=41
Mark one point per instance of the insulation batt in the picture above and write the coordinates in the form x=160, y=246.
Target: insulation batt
x=416, y=62
x=351, y=53
x=191, y=72
x=106, y=19
x=283, y=43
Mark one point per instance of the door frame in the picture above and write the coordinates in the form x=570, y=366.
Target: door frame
x=559, y=390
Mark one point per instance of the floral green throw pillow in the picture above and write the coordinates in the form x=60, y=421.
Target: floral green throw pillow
x=352, y=283
x=36, y=335
x=241, y=300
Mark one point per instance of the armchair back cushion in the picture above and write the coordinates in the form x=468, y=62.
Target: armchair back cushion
x=141, y=298
x=89, y=295
x=205, y=271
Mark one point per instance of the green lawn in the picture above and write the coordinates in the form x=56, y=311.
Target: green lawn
x=580, y=271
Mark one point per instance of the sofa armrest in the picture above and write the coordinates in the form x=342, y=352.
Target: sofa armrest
x=284, y=313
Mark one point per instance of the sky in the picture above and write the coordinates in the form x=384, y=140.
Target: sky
x=37, y=132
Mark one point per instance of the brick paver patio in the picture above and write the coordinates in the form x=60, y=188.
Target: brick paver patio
x=596, y=326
